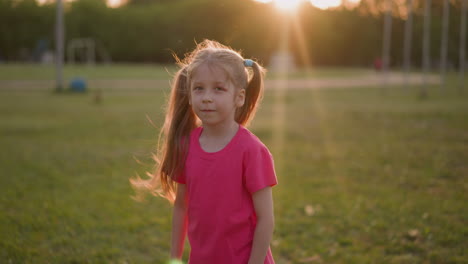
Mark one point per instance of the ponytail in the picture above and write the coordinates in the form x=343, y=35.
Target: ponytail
x=173, y=142
x=253, y=95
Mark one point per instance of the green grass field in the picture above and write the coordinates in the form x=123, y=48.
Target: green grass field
x=363, y=177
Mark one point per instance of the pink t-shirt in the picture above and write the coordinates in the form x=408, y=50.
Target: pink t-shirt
x=221, y=214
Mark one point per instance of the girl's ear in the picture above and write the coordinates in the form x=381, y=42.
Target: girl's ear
x=240, y=98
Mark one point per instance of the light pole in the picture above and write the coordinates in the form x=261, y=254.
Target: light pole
x=426, y=46
x=462, y=45
x=386, y=41
x=408, y=41
x=443, y=48
x=59, y=43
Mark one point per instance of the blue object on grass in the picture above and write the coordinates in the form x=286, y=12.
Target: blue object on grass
x=78, y=84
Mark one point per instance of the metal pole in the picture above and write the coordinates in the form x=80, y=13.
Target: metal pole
x=59, y=39
x=462, y=45
x=426, y=46
x=444, y=44
x=408, y=41
x=93, y=52
x=386, y=41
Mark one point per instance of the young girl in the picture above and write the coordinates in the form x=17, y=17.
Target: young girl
x=218, y=174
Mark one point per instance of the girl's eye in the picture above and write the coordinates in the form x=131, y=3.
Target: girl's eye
x=197, y=88
x=219, y=89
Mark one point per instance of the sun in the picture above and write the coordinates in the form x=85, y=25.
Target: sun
x=115, y=3
x=293, y=5
x=324, y=4
x=284, y=5
x=287, y=5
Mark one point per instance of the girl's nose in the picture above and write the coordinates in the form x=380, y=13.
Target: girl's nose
x=207, y=98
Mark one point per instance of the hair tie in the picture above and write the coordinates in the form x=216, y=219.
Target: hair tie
x=248, y=63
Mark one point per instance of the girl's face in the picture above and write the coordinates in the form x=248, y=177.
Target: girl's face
x=213, y=97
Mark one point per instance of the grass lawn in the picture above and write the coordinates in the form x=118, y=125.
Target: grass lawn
x=364, y=177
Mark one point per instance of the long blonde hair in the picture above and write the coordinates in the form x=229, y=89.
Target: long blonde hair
x=180, y=119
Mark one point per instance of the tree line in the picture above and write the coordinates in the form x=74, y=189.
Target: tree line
x=151, y=31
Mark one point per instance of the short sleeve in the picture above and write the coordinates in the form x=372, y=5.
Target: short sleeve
x=259, y=170
x=180, y=177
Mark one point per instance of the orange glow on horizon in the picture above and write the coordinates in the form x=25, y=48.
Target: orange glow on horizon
x=285, y=5
x=322, y=4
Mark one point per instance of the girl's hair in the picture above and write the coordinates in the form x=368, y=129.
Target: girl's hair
x=181, y=120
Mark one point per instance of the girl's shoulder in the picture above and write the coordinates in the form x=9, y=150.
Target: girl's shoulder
x=254, y=151
x=250, y=140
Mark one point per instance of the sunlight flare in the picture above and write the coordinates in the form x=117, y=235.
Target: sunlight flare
x=324, y=4
x=287, y=5
x=115, y=3
x=283, y=5
x=293, y=5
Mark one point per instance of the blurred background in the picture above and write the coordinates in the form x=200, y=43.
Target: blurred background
x=365, y=112
x=143, y=31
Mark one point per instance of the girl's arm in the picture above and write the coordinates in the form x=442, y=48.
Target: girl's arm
x=179, y=222
x=263, y=203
